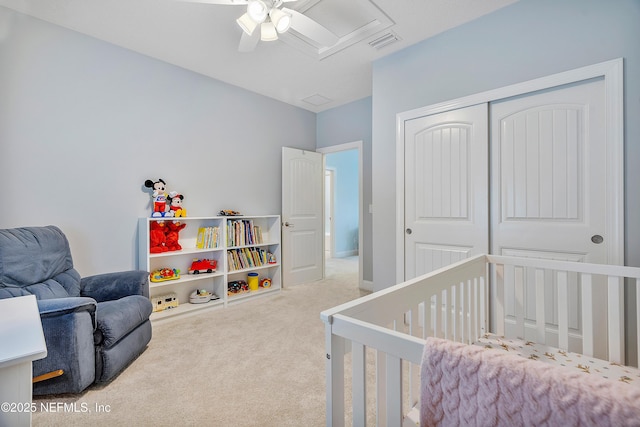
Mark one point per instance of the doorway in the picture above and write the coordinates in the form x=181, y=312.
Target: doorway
x=343, y=204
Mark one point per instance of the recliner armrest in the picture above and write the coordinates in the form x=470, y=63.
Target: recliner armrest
x=113, y=286
x=61, y=306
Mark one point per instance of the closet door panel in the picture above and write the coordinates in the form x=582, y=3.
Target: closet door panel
x=446, y=188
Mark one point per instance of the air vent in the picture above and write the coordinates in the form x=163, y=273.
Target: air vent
x=384, y=40
x=317, y=100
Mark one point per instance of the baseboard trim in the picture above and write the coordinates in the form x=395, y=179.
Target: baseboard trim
x=367, y=285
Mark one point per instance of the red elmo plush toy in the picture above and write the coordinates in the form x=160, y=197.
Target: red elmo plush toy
x=157, y=237
x=173, y=235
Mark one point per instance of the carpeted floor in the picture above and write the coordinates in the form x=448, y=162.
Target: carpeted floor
x=259, y=363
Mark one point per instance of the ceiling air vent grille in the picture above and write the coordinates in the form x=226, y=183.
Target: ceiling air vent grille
x=384, y=40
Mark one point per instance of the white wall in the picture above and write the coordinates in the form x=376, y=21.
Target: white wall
x=83, y=123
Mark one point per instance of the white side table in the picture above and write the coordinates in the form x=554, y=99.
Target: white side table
x=21, y=342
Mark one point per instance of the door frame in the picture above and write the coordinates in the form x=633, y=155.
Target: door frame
x=612, y=72
x=357, y=145
x=330, y=189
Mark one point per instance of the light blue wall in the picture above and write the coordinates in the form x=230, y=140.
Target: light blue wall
x=526, y=40
x=345, y=203
x=84, y=123
x=341, y=125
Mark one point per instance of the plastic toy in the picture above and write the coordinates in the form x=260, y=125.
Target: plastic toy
x=159, y=197
x=173, y=235
x=175, y=204
x=200, y=296
x=227, y=212
x=164, y=274
x=265, y=283
x=203, y=266
x=165, y=302
x=237, y=287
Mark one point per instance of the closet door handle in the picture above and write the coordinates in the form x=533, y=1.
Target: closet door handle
x=409, y=231
x=597, y=239
x=286, y=224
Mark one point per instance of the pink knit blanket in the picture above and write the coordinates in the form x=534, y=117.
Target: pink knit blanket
x=467, y=385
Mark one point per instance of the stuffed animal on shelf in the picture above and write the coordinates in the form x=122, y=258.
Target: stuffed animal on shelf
x=175, y=204
x=173, y=235
x=157, y=237
x=159, y=197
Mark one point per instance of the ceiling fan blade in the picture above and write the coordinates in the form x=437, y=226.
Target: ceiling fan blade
x=310, y=28
x=224, y=2
x=248, y=42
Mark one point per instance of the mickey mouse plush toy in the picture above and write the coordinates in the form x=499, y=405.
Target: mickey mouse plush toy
x=159, y=197
x=175, y=204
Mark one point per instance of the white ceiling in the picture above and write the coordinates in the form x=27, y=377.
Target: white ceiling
x=204, y=38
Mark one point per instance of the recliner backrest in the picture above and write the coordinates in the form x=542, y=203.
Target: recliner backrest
x=37, y=260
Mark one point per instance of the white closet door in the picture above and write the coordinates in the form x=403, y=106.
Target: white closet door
x=446, y=188
x=549, y=175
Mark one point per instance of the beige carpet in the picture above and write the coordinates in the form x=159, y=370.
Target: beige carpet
x=259, y=363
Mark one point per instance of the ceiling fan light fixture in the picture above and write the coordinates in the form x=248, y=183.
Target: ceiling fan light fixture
x=247, y=24
x=268, y=32
x=281, y=20
x=257, y=10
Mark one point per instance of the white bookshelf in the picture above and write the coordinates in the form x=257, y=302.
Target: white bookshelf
x=216, y=282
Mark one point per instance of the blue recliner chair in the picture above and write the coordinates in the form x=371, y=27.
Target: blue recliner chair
x=93, y=326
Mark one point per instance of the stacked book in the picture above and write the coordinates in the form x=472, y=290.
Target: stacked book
x=239, y=259
x=208, y=237
x=242, y=232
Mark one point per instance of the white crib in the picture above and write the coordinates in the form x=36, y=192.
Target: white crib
x=534, y=299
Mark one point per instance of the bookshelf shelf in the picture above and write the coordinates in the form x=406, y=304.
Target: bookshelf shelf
x=237, y=234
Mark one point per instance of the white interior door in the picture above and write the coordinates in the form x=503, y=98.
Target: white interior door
x=302, y=216
x=446, y=188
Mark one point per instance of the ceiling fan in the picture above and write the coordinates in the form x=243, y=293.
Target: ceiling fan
x=265, y=19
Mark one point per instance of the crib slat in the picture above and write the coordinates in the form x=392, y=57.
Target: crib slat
x=381, y=386
x=464, y=307
x=616, y=319
x=563, y=310
x=394, y=391
x=519, y=300
x=499, y=308
x=443, y=314
x=436, y=316
x=453, y=312
x=541, y=322
x=482, y=294
x=426, y=318
x=414, y=370
x=475, y=311
x=587, y=315
x=359, y=363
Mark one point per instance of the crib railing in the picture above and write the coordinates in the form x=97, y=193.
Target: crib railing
x=384, y=333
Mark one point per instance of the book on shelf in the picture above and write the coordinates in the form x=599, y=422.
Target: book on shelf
x=242, y=258
x=208, y=238
x=242, y=232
